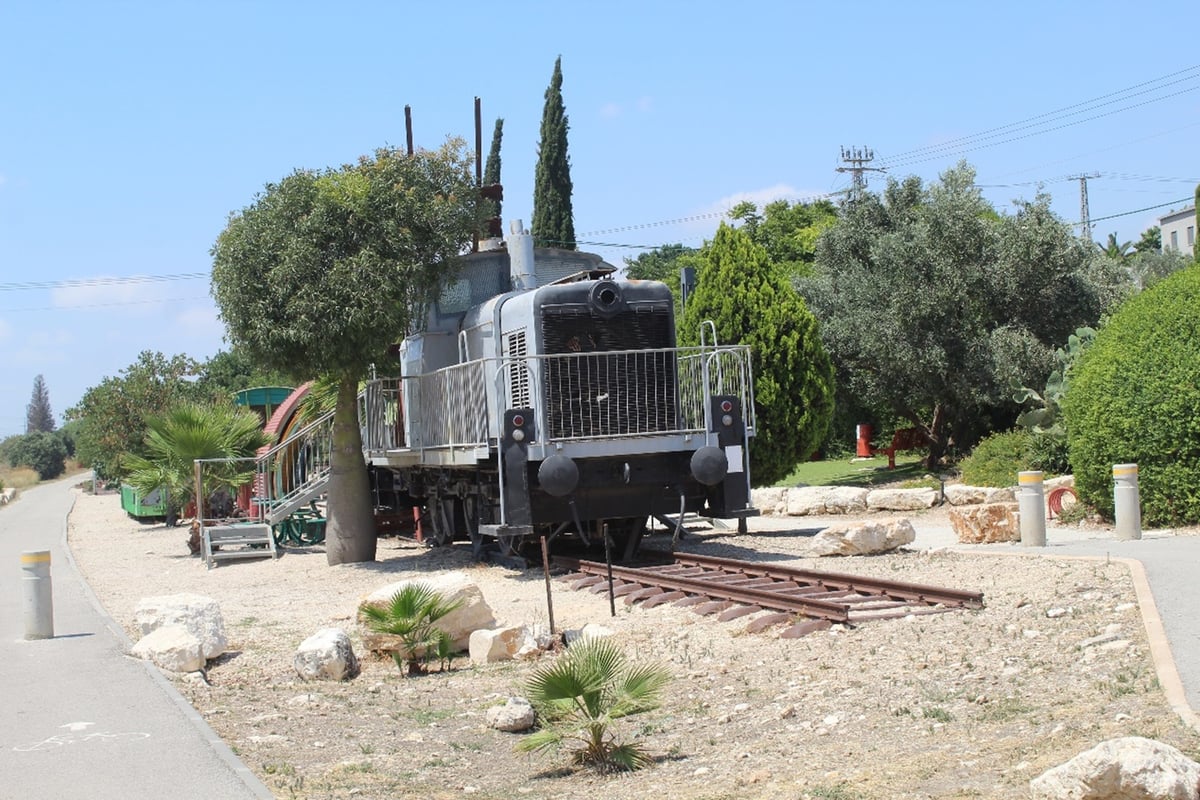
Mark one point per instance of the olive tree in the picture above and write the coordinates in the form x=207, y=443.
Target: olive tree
x=325, y=270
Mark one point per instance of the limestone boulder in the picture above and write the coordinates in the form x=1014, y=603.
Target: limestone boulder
x=845, y=500
x=986, y=523
x=590, y=631
x=473, y=614
x=171, y=647
x=515, y=716
x=901, y=499
x=198, y=614
x=862, y=538
x=770, y=500
x=958, y=494
x=803, y=501
x=503, y=644
x=326, y=655
x=1130, y=768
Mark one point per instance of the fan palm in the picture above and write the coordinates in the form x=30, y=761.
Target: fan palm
x=190, y=431
x=411, y=615
x=579, y=696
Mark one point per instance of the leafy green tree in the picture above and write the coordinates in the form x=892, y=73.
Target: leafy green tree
x=1150, y=241
x=412, y=615
x=553, y=219
x=582, y=694
x=750, y=302
x=40, y=450
x=230, y=371
x=788, y=232
x=38, y=416
x=325, y=270
x=186, y=432
x=491, y=170
x=1151, y=266
x=932, y=305
x=112, y=414
x=664, y=264
x=1134, y=397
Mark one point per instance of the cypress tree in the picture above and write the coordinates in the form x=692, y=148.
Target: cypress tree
x=38, y=416
x=751, y=302
x=553, y=219
x=491, y=169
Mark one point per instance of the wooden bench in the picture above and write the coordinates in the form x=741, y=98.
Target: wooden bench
x=903, y=439
x=224, y=542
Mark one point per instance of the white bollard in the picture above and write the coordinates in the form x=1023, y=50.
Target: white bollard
x=1031, y=504
x=39, y=599
x=1127, y=504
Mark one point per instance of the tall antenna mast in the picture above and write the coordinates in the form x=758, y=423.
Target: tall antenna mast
x=858, y=158
x=1085, y=214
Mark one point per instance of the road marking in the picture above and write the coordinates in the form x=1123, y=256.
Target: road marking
x=61, y=739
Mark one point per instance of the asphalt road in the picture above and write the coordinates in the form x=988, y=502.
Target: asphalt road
x=80, y=718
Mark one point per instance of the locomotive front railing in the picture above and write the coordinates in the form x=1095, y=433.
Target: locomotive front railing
x=450, y=406
x=381, y=415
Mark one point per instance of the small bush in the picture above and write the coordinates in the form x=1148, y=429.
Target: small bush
x=1134, y=398
x=997, y=459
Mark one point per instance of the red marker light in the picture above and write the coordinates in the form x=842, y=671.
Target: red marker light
x=518, y=420
x=726, y=406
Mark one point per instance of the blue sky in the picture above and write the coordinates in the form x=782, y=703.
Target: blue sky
x=129, y=131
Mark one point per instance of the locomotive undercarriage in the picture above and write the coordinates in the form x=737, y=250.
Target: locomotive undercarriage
x=616, y=496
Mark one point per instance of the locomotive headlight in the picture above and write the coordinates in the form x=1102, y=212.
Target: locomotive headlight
x=558, y=475
x=727, y=420
x=518, y=435
x=709, y=465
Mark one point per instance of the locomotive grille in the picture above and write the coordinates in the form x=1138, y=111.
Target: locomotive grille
x=518, y=375
x=605, y=376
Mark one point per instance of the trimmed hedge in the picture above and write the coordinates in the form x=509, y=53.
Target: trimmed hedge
x=997, y=459
x=1134, y=397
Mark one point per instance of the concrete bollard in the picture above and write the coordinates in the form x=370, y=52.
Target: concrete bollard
x=38, y=597
x=1031, y=504
x=1127, y=504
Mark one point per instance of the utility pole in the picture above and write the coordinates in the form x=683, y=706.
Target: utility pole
x=1085, y=215
x=858, y=158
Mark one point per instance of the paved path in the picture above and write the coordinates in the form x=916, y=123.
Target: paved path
x=80, y=718
x=1170, y=565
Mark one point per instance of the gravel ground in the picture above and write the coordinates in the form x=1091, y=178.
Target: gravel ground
x=952, y=705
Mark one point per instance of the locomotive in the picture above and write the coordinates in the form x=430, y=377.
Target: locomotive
x=545, y=397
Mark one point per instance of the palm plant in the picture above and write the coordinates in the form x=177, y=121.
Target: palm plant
x=578, y=697
x=411, y=615
x=190, y=431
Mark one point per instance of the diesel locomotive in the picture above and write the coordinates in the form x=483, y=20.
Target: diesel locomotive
x=545, y=396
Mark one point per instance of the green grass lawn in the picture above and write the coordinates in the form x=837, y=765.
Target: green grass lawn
x=864, y=472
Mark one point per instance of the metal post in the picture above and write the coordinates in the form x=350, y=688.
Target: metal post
x=38, y=597
x=1127, y=505
x=546, y=572
x=1032, y=508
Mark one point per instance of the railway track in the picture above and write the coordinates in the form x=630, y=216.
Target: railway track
x=804, y=600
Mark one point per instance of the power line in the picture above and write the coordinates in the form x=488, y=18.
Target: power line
x=1121, y=95
x=1140, y=210
x=88, y=283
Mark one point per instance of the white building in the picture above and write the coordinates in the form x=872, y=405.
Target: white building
x=1179, y=230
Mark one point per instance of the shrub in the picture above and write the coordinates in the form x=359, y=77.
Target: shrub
x=412, y=615
x=42, y=451
x=997, y=459
x=582, y=693
x=1135, y=398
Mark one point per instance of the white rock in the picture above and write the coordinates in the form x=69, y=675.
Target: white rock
x=326, y=655
x=590, y=631
x=200, y=615
x=1131, y=768
x=472, y=615
x=803, y=501
x=770, y=500
x=1055, y=613
x=502, y=644
x=171, y=647
x=862, y=538
x=515, y=715
x=845, y=500
x=901, y=499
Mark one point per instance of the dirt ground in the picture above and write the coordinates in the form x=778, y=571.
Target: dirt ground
x=953, y=705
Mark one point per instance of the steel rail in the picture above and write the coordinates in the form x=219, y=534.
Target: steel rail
x=765, y=599
x=836, y=580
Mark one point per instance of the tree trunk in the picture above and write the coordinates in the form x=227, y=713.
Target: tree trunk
x=350, y=530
